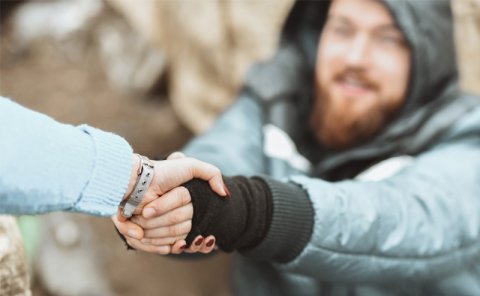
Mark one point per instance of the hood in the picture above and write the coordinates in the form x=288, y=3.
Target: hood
x=433, y=103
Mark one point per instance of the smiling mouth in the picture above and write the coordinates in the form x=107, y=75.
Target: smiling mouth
x=353, y=86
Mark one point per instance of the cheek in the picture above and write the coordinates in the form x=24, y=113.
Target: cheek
x=393, y=73
x=328, y=60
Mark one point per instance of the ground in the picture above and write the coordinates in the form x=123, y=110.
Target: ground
x=76, y=92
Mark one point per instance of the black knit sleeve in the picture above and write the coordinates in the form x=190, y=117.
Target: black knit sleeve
x=262, y=218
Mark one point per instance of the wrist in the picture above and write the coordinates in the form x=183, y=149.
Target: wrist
x=133, y=176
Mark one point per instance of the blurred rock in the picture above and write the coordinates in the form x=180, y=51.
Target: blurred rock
x=58, y=20
x=209, y=46
x=132, y=64
x=467, y=30
x=81, y=28
x=14, y=279
x=68, y=262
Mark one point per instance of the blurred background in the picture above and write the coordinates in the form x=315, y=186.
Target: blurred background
x=156, y=73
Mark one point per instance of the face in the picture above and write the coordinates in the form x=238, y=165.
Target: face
x=361, y=73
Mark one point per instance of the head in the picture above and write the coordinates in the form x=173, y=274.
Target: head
x=361, y=73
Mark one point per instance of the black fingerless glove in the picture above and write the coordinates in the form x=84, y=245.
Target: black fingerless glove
x=238, y=222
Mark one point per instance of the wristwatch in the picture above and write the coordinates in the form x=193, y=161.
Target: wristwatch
x=145, y=177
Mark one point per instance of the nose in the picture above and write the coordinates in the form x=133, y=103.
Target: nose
x=358, y=53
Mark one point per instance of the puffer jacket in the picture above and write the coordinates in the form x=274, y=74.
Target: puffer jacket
x=399, y=215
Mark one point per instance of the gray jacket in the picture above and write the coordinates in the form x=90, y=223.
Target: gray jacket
x=399, y=215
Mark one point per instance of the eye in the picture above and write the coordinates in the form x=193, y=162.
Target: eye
x=390, y=39
x=340, y=30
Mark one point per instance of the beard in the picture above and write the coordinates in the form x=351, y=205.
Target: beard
x=340, y=123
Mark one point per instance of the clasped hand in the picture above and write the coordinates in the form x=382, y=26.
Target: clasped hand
x=163, y=219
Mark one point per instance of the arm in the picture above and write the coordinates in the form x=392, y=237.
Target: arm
x=48, y=166
x=422, y=223
x=240, y=126
x=235, y=143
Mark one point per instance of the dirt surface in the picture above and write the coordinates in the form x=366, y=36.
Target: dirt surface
x=45, y=79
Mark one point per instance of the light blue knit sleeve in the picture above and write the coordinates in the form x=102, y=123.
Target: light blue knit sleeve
x=48, y=166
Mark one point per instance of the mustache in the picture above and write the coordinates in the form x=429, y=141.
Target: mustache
x=357, y=74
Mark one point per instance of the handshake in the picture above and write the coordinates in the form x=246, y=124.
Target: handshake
x=163, y=219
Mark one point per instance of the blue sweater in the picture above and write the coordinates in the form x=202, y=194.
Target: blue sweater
x=48, y=166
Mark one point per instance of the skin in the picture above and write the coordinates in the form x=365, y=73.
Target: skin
x=361, y=80
x=361, y=73
x=164, y=196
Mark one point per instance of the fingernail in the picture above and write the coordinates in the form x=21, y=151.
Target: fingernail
x=210, y=243
x=199, y=241
x=227, y=191
x=183, y=247
x=133, y=234
x=148, y=212
x=220, y=185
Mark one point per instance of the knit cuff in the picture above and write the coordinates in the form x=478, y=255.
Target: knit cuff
x=291, y=226
x=110, y=175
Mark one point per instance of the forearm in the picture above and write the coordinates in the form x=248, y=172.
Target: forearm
x=264, y=218
x=241, y=126
x=419, y=224
x=49, y=166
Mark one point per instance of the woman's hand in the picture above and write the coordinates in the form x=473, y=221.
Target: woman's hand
x=167, y=215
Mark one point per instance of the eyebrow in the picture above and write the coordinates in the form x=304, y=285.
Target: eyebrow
x=382, y=27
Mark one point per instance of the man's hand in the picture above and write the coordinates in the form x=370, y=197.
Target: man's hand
x=176, y=170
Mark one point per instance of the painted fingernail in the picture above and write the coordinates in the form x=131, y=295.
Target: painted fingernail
x=227, y=191
x=133, y=234
x=148, y=212
x=210, y=243
x=183, y=247
x=199, y=241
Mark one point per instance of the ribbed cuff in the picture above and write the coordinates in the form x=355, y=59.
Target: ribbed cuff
x=110, y=175
x=291, y=226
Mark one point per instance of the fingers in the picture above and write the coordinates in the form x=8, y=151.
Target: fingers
x=128, y=228
x=175, y=216
x=178, y=170
x=163, y=240
x=138, y=245
x=179, y=247
x=210, y=173
x=173, y=199
x=173, y=230
x=176, y=155
x=120, y=216
x=201, y=245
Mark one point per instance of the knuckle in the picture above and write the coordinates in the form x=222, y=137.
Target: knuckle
x=138, y=220
x=174, y=218
x=189, y=211
x=157, y=241
x=147, y=225
x=188, y=226
x=184, y=195
x=175, y=230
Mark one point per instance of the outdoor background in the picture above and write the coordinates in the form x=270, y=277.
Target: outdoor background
x=156, y=73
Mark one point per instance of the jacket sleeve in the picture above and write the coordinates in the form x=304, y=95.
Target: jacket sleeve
x=48, y=166
x=419, y=224
x=235, y=142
